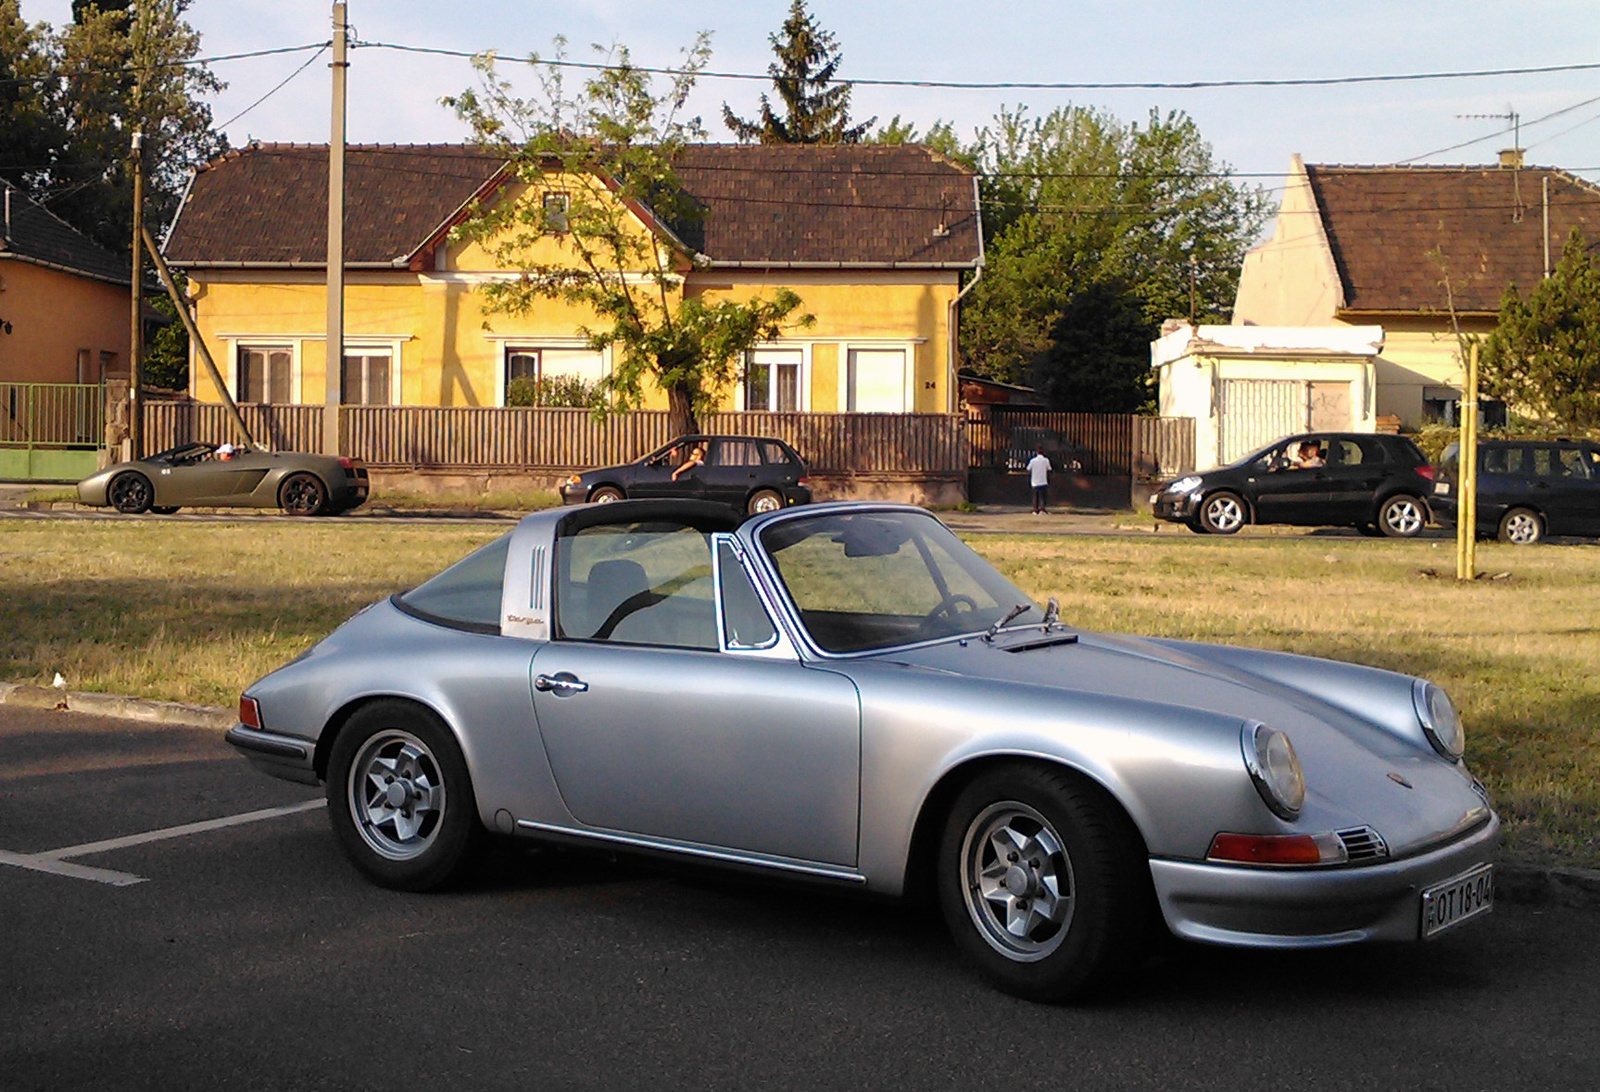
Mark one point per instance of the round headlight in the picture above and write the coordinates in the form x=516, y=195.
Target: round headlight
x=1183, y=485
x=1274, y=768
x=574, y=480
x=1440, y=721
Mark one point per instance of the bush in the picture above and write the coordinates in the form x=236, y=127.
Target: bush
x=569, y=391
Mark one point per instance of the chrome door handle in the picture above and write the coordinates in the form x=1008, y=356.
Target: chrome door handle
x=562, y=683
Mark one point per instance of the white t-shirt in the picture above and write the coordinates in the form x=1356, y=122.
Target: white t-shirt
x=1039, y=470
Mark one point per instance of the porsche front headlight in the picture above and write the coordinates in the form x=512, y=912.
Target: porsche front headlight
x=1274, y=769
x=1440, y=721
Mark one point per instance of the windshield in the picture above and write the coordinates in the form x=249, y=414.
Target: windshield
x=871, y=580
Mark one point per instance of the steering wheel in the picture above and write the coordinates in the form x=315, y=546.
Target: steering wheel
x=946, y=608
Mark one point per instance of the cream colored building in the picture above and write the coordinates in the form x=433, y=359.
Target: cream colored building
x=1425, y=253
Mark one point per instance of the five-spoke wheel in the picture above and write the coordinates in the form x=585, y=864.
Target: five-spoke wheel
x=399, y=796
x=1521, y=527
x=1223, y=513
x=303, y=495
x=1402, y=516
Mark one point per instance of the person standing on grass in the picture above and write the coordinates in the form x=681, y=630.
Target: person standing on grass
x=1039, y=478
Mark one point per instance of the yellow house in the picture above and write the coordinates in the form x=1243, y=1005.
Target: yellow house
x=64, y=305
x=872, y=238
x=1419, y=251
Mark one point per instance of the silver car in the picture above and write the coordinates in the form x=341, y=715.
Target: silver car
x=848, y=694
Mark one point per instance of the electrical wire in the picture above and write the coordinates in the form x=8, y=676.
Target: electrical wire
x=281, y=85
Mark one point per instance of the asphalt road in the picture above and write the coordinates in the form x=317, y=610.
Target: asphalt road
x=252, y=956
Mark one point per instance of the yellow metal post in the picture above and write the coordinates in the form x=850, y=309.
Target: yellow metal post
x=1467, y=478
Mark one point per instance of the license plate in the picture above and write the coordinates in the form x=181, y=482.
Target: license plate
x=1441, y=488
x=1457, y=900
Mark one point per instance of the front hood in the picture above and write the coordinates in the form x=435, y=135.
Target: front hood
x=1348, y=757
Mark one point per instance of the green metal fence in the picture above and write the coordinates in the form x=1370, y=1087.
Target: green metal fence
x=50, y=431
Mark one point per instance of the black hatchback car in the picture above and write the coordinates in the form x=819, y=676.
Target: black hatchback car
x=1372, y=481
x=1527, y=489
x=751, y=473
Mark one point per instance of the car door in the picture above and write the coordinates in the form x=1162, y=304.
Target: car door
x=1574, y=504
x=733, y=467
x=1356, y=471
x=207, y=480
x=1283, y=492
x=651, y=477
x=739, y=749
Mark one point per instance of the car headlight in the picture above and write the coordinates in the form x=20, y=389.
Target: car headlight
x=575, y=480
x=1183, y=485
x=1274, y=768
x=1440, y=721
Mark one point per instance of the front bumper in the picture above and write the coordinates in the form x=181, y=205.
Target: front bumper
x=1178, y=507
x=1311, y=908
x=288, y=757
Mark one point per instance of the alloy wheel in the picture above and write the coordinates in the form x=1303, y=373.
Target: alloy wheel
x=396, y=795
x=1018, y=881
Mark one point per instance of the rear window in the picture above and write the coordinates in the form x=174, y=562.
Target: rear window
x=467, y=594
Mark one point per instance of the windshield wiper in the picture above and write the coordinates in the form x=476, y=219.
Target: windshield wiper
x=1005, y=620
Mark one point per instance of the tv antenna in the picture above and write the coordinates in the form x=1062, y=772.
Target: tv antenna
x=1512, y=159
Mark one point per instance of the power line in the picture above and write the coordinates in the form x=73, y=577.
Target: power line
x=281, y=85
x=1013, y=85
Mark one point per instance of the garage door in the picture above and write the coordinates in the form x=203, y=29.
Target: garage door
x=1256, y=412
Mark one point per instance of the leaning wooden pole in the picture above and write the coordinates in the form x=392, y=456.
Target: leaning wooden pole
x=197, y=341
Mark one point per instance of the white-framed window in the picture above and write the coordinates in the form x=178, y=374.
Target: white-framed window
x=264, y=373
x=878, y=380
x=535, y=362
x=775, y=380
x=370, y=377
x=556, y=207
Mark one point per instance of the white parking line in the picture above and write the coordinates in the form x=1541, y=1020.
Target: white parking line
x=55, y=861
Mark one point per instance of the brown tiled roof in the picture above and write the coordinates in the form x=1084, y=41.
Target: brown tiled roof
x=268, y=203
x=33, y=233
x=765, y=205
x=1396, y=231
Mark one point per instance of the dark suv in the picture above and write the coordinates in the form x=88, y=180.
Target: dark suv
x=1527, y=489
x=750, y=473
x=1372, y=481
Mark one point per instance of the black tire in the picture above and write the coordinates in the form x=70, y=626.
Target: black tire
x=764, y=500
x=130, y=493
x=1223, y=513
x=400, y=798
x=605, y=495
x=303, y=495
x=164, y=510
x=1402, y=516
x=1073, y=870
x=1521, y=527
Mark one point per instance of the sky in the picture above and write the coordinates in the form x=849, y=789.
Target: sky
x=394, y=96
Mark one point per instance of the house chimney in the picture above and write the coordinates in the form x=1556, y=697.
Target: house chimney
x=1511, y=158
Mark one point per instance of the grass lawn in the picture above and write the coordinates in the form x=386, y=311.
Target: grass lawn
x=195, y=611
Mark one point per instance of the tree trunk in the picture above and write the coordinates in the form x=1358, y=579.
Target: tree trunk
x=681, y=420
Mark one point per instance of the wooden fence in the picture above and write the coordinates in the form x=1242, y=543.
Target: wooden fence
x=567, y=439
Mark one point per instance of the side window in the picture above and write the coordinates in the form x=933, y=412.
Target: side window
x=745, y=622
x=466, y=594
x=638, y=584
x=1573, y=463
x=1496, y=460
x=736, y=453
x=1544, y=466
x=773, y=453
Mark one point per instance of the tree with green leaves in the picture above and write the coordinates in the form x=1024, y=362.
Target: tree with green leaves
x=603, y=160
x=815, y=110
x=940, y=136
x=31, y=134
x=1097, y=231
x=1543, y=357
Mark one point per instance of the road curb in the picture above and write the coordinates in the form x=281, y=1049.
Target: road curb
x=146, y=710
x=1515, y=882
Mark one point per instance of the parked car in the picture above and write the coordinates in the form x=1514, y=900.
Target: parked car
x=1527, y=489
x=225, y=476
x=751, y=473
x=848, y=694
x=1371, y=481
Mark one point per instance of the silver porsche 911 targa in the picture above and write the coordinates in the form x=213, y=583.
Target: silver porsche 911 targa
x=847, y=693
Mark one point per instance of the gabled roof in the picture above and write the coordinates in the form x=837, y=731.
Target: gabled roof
x=32, y=233
x=766, y=206
x=1396, y=232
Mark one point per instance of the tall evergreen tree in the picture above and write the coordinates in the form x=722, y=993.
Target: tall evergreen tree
x=31, y=135
x=814, y=111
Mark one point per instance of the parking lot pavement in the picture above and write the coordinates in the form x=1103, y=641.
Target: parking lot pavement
x=252, y=956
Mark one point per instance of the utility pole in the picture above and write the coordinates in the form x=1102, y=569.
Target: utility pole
x=335, y=338
x=136, y=336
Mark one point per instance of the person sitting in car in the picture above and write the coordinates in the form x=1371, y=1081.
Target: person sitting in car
x=696, y=459
x=1309, y=456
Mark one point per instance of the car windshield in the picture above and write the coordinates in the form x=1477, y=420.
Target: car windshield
x=872, y=580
